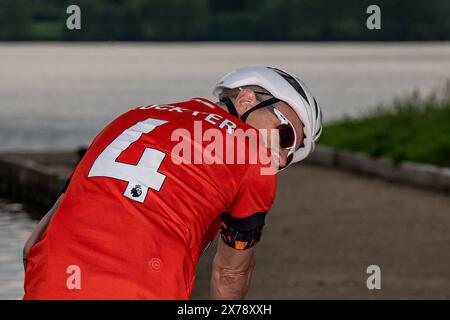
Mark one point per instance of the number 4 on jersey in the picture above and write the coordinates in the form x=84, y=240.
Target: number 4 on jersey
x=140, y=177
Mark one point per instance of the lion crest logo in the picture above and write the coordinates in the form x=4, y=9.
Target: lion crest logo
x=136, y=192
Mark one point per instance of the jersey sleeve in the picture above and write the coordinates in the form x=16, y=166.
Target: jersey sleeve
x=242, y=225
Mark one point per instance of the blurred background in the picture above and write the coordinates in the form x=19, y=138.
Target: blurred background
x=384, y=92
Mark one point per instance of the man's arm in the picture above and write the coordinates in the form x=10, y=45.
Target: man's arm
x=231, y=272
x=241, y=230
x=40, y=229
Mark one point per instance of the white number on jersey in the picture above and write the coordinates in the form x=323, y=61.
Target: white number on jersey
x=140, y=177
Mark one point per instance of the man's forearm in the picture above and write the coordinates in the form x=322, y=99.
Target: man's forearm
x=229, y=284
x=37, y=234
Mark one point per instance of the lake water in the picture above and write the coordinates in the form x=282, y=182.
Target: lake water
x=58, y=96
x=15, y=228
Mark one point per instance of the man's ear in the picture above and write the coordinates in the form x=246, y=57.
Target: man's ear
x=245, y=100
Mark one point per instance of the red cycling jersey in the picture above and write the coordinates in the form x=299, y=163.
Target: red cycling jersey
x=135, y=219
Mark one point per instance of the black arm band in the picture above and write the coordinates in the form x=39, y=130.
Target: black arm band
x=242, y=233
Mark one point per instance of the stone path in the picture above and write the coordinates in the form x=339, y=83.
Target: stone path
x=328, y=225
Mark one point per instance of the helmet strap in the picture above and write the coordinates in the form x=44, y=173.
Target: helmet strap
x=232, y=109
x=260, y=105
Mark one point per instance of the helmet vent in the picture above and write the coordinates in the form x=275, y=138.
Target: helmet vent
x=315, y=106
x=290, y=79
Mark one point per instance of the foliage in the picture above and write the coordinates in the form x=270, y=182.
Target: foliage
x=187, y=20
x=413, y=128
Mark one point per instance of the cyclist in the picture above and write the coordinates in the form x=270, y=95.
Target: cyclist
x=136, y=214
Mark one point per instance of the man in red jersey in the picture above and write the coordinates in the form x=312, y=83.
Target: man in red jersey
x=152, y=192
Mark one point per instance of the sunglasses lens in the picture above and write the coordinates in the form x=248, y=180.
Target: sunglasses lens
x=287, y=135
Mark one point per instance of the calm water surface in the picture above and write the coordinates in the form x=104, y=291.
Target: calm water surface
x=59, y=95
x=15, y=227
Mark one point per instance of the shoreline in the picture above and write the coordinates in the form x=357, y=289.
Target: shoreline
x=421, y=175
x=36, y=178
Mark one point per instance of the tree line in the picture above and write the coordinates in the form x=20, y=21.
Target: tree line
x=225, y=20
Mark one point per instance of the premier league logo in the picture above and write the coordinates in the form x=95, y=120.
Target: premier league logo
x=136, y=191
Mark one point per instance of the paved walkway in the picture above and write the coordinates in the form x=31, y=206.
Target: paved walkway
x=328, y=225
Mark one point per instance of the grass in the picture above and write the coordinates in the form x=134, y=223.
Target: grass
x=413, y=128
x=47, y=31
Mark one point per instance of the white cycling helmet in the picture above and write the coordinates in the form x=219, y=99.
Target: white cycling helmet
x=287, y=88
